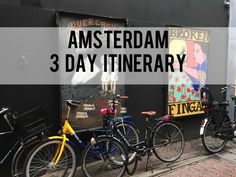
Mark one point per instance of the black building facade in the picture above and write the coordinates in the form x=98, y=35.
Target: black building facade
x=148, y=13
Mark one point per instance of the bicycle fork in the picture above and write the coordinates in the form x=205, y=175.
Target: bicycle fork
x=61, y=147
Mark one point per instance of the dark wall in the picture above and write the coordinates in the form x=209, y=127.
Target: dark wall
x=211, y=13
x=186, y=13
x=148, y=12
x=23, y=97
x=138, y=13
x=145, y=98
x=18, y=16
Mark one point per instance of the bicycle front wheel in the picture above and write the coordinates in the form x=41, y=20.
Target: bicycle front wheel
x=211, y=142
x=168, y=142
x=131, y=134
x=41, y=160
x=97, y=160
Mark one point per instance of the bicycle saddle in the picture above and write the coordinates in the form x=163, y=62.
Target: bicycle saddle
x=149, y=113
x=73, y=103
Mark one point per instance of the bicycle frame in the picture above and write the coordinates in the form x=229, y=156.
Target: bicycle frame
x=19, y=143
x=11, y=131
x=146, y=142
x=65, y=130
x=223, y=124
x=149, y=132
x=9, y=152
x=68, y=129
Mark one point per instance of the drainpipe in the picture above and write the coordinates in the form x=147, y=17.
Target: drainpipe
x=231, y=73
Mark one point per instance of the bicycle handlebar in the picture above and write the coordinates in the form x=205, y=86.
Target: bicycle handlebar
x=224, y=89
x=4, y=110
x=117, y=97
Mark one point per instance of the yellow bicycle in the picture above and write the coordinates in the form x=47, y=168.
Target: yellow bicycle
x=57, y=155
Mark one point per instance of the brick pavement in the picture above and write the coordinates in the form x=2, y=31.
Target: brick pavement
x=195, y=162
x=193, y=151
x=210, y=167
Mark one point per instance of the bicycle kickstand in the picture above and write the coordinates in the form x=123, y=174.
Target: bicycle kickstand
x=149, y=161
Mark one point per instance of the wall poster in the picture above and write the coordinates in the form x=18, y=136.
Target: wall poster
x=92, y=97
x=184, y=87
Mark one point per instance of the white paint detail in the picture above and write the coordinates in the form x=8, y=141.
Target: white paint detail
x=203, y=126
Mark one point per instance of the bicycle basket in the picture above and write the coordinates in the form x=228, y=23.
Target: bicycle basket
x=32, y=122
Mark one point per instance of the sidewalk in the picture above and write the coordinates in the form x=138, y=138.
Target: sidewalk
x=195, y=162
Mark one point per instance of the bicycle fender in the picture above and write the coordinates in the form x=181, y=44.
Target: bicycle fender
x=170, y=121
x=32, y=141
x=203, y=124
x=57, y=138
x=132, y=124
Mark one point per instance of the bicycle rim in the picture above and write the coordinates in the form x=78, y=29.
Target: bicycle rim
x=211, y=142
x=168, y=142
x=40, y=162
x=132, y=136
x=96, y=159
x=17, y=166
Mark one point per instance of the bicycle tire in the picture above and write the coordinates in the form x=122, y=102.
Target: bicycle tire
x=47, y=162
x=170, y=141
x=131, y=133
x=17, y=164
x=99, y=149
x=17, y=171
x=210, y=125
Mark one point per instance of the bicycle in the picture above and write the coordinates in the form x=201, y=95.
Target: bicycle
x=61, y=157
x=217, y=128
x=29, y=128
x=160, y=134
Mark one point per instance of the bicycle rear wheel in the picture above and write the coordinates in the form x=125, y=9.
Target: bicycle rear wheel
x=211, y=142
x=97, y=161
x=40, y=162
x=168, y=142
x=17, y=167
x=17, y=164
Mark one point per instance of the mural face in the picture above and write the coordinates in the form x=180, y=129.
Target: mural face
x=92, y=97
x=184, y=87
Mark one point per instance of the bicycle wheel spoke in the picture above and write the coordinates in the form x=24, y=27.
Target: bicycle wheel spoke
x=168, y=142
x=41, y=163
x=211, y=137
x=109, y=153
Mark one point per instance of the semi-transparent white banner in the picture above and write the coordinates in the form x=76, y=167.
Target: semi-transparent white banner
x=141, y=56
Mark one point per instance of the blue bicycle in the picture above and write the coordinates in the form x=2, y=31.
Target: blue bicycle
x=57, y=156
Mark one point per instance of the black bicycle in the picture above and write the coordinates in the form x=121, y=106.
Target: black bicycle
x=29, y=128
x=217, y=128
x=163, y=137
